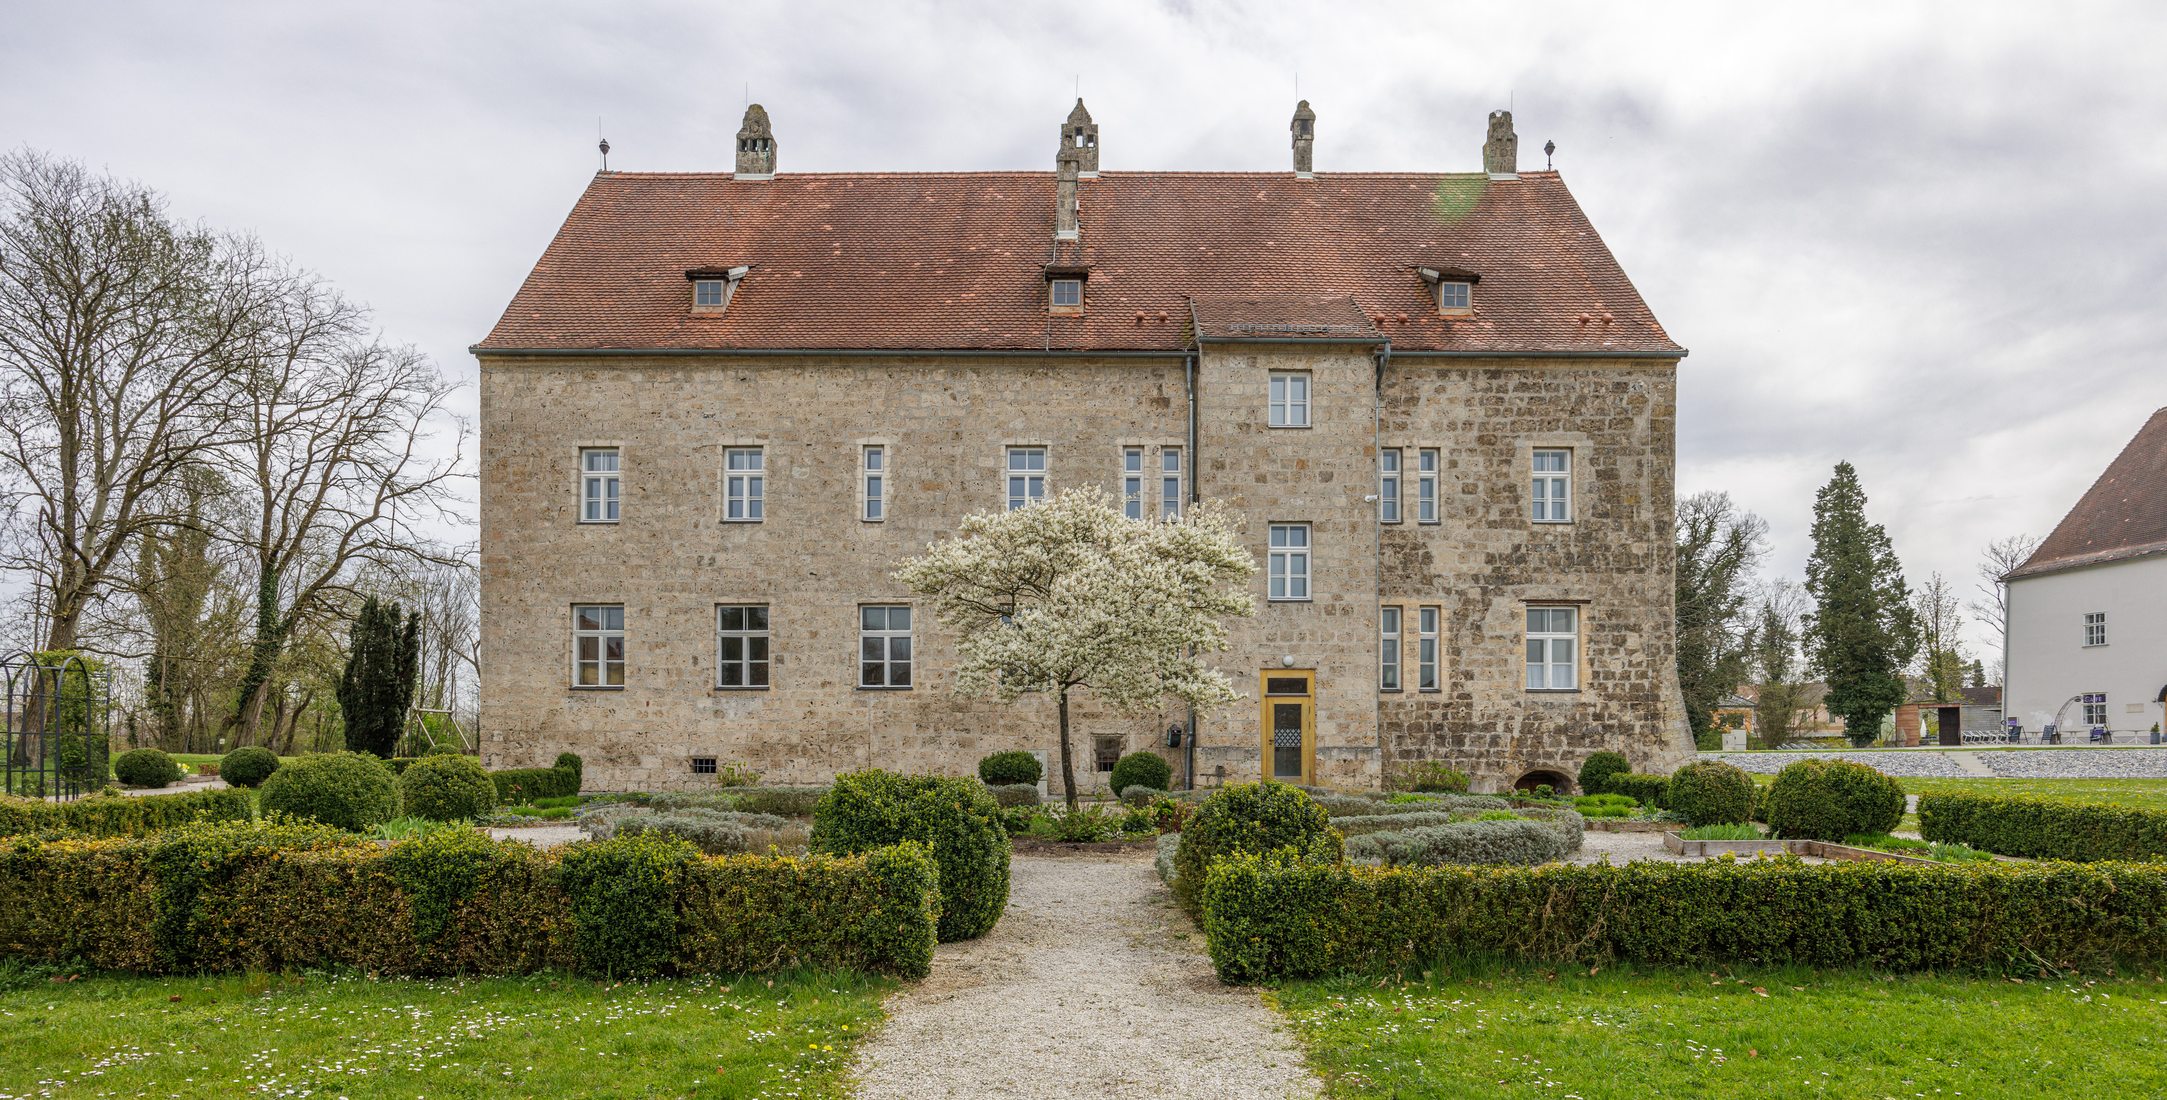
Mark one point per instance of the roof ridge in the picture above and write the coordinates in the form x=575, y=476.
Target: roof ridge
x=887, y=173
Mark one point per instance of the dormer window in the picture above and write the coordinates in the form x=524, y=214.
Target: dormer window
x=1067, y=295
x=713, y=287
x=1453, y=296
x=1455, y=288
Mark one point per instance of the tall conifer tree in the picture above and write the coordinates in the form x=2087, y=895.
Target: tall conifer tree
x=1861, y=632
x=377, y=687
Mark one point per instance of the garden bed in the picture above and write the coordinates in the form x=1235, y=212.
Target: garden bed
x=1818, y=849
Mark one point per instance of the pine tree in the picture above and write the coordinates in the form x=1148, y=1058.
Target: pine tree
x=1861, y=632
x=382, y=666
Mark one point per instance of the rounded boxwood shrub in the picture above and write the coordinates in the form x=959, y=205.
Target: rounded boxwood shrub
x=957, y=818
x=1596, y=770
x=1015, y=794
x=1015, y=766
x=447, y=788
x=247, y=766
x=1253, y=818
x=1832, y=799
x=146, y=768
x=351, y=790
x=1711, y=793
x=1141, y=769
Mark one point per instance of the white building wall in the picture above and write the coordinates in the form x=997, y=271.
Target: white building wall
x=2049, y=662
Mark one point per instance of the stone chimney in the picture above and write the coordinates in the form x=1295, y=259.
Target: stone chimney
x=1067, y=166
x=1501, y=153
x=1082, y=134
x=756, y=146
x=1304, y=127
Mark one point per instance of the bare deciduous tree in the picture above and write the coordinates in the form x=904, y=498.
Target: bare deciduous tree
x=1941, y=648
x=2001, y=557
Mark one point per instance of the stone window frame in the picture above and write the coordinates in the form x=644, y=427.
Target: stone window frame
x=1130, y=488
x=1305, y=554
x=747, y=635
x=1391, y=649
x=1389, y=482
x=601, y=634
x=866, y=474
x=1578, y=637
x=581, y=476
x=2095, y=629
x=1283, y=404
x=1044, y=473
x=1429, y=651
x=755, y=477
x=1170, y=507
x=909, y=634
x=1576, y=446
x=1429, y=492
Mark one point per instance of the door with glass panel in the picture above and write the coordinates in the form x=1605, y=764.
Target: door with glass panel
x=1289, y=725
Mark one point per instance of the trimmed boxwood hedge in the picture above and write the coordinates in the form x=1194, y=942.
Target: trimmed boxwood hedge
x=1001, y=769
x=956, y=818
x=1711, y=792
x=146, y=768
x=1273, y=917
x=446, y=787
x=1816, y=799
x=1249, y=817
x=116, y=814
x=1141, y=769
x=247, y=766
x=1540, y=835
x=244, y=896
x=349, y=790
x=2038, y=828
x=1648, y=790
x=1014, y=794
x=521, y=785
x=1598, y=768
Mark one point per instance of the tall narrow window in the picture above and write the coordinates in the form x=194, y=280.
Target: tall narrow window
x=598, y=645
x=1388, y=624
x=884, y=646
x=1426, y=654
x=873, y=461
x=1026, y=476
x=1132, y=482
x=1169, y=482
x=1553, y=492
x=600, y=485
x=744, y=489
x=1289, y=401
x=1388, y=485
x=2095, y=628
x=1289, y=571
x=741, y=647
x=1426, y=462
x=1553, y=648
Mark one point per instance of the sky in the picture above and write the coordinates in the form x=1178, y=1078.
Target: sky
x=1924, y=238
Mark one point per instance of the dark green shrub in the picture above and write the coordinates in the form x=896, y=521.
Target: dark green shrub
x=1606, y=805
x=517, y=785
x=1596, y=770
x=1014, y=766
x=623, y=900
x=1249, y=817
x=1433, y=777
x=1014, y=794
x=1141, y=769
x=781, y=801
x=350, y=790
x=447, y=788
x=1832, y=799
x=114, y=814
x=1268, y=918
x=1349, y=806
x=956, y=818
x=2041, y=829
x=247, y=766
x=1648, y=790
x=570, y=761
x=146, y=768
x=1711, y=793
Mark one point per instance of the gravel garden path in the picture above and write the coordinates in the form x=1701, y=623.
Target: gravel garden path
x=2055, y=763
x=1093, y=984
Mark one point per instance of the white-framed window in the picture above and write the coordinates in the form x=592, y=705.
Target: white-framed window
x=1388, y=485
x=873, y=471
x=1388, y=648
x=1026, y=476
x=1455, y=297
x=884, y=657
x=2095, y=628
x=1426, y=652
x=2095, y=708
x=1169, y=482
x=1289, y=570
x=601, y=484
x=708, y=293
x=741, y=646
x=598, y=645
x=1132, y=482
x=1426, y=462
x=1289, y=400
x=1065, y=294
x=744, y=485
x=1553, y=648
x=1553, y=485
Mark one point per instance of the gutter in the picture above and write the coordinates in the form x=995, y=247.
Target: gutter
x=881, y=353
x=1678, y=354
x=1376, y=528
x=1196, y=475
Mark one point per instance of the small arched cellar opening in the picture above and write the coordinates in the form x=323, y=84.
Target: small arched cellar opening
x=1557, y=781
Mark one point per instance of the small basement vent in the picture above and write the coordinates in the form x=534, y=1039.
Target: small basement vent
x=703, y=765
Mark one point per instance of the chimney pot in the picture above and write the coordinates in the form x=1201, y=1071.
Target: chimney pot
x=1304, y=129
x=1501, y=152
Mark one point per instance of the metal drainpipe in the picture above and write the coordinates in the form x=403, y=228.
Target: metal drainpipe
x=1384, y=360
x=1196, y=475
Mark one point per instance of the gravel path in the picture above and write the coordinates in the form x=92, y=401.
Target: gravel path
x=541, y=836
x=2068, y=763
x=1093, y=984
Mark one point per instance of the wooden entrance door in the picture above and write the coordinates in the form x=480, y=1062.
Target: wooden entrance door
x=1289, y=724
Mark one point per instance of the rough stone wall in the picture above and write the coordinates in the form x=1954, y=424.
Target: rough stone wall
x=1485, y=561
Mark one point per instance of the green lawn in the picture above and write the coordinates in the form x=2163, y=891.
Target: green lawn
x=352, y=1036
x=1489, y=1031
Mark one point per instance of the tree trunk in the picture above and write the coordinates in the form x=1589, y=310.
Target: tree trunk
x=1068, y=761
x=264, y=651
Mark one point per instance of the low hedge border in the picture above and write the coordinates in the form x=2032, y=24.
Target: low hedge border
x=115, y=814
x=2039, y=828
x=1274, y=917
x=247, y=896
x=1648, y=790
x=520, y=785
x=1541, y=835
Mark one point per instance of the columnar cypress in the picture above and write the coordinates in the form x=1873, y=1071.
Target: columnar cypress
x=1861, y=632
x=383, y=664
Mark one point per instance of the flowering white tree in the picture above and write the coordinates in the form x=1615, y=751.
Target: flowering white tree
x=1069, y=593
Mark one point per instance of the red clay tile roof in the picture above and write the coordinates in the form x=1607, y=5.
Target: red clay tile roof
x=957, y=261
x=2123, y=514
x=1275, y=317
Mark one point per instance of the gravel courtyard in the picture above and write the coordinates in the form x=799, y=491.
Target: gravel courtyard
x=1093, y=984
x=2067, y=763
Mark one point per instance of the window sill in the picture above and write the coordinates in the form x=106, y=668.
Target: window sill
x=743, y=522
x=1429, y=691
x=1288, y=599
x=1553, y=691
x=878, y=687
x=1391, y=691
x=1288, y=427
x=721, y=688
x=597, y=523
x=1552, y=522
x=596, y=687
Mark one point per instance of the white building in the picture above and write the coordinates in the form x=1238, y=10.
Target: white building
x=2087, y=638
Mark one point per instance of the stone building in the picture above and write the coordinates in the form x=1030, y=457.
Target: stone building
x=723, y=405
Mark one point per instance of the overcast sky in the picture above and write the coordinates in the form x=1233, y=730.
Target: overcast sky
x=1927, y=238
